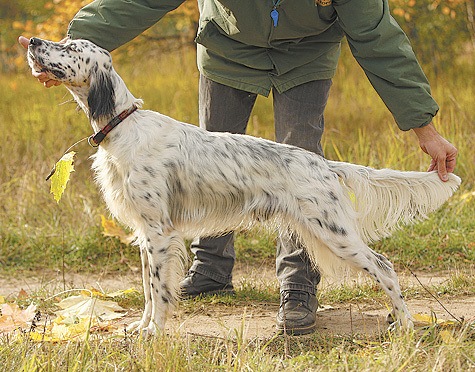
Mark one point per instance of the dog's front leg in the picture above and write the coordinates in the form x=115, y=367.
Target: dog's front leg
x=147, y=314
x=163, y=256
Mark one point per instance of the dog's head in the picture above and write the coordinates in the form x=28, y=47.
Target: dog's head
x=77, y=63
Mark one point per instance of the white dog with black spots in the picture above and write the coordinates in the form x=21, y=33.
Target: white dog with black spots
x=169, y=180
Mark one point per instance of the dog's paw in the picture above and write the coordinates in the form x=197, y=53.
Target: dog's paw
x=401, y=326
x=135, y=327
x=150, y=331
x=145, y=331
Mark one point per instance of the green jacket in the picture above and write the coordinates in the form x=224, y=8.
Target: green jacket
x=239, y=46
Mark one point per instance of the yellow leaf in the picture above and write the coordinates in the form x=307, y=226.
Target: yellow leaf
x=424, y=318
x=17, y=25
x=93, y=292
x=111, y=229
x=39, y=337
x=447, y=336
x=2, y=300
x=64, y=329
x=430, y=319
x=60, y=178
x=121, y=292
x=468, y=195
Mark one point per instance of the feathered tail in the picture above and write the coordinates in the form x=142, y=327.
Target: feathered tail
x=386, y=199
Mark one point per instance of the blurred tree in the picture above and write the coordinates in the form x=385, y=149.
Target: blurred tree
x=49, y=19
x=17, y=17
x=439, y=30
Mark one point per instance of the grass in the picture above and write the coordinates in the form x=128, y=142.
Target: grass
x=425, y=349
x=194, y=353
x=36, y=234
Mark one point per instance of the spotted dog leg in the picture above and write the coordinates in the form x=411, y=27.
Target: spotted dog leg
x=147, y=314
x=344, y=242
x=164, y=255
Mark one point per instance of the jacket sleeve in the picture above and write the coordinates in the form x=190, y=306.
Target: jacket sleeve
x=112, y=23
x=386, y=56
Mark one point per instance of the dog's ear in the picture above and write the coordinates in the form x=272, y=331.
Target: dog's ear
x=101, y=97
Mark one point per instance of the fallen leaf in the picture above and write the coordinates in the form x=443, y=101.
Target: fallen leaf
x=2, y=300
x=111, y=229
x=65, y=329
x=13, y=317
x=22, y=294
x=84, y=306
x=324, y=308
x=122, y=292
x=93, y=292
x=447, y=336
x=430, y=319
x=62, y=172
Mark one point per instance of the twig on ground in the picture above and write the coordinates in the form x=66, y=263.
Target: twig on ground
x=433, y=296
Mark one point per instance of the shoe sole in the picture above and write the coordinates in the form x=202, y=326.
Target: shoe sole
x=297, y=331
x=211, y=293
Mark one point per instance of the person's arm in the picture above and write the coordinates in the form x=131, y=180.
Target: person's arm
x=386, y=56
x=112, y=23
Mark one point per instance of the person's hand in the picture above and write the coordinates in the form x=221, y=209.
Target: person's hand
x=41, y=76
x=442, y=152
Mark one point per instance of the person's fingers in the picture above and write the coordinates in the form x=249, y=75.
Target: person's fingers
x=432, y=165
x=24, y=42
x=442, y=169
x=450, y=165
x=51, y=83
x=41, y=76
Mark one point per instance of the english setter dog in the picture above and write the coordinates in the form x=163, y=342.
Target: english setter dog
x=169, y=180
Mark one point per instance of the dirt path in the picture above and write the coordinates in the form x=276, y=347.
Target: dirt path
x=254, y=320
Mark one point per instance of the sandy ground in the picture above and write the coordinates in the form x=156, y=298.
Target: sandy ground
x=254, y=320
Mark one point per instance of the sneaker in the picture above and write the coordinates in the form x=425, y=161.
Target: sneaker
x=196, y=284
x=297, y=312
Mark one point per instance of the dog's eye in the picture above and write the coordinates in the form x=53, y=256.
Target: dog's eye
x=71, y=47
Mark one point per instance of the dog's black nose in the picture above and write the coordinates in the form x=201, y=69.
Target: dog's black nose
x=35, y=41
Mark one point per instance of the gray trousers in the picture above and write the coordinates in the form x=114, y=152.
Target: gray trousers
x=298, y=117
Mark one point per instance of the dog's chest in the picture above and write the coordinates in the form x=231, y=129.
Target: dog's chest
x=110, y=175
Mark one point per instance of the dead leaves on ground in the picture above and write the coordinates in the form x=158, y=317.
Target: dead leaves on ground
x=13, y=317
x=90, y=310
x=77, y=317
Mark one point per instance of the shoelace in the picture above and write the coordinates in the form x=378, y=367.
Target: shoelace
x=301, y=297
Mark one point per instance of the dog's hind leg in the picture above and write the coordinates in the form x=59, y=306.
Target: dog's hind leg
x=354, y=252
x=329, y=236
x=381, y=270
